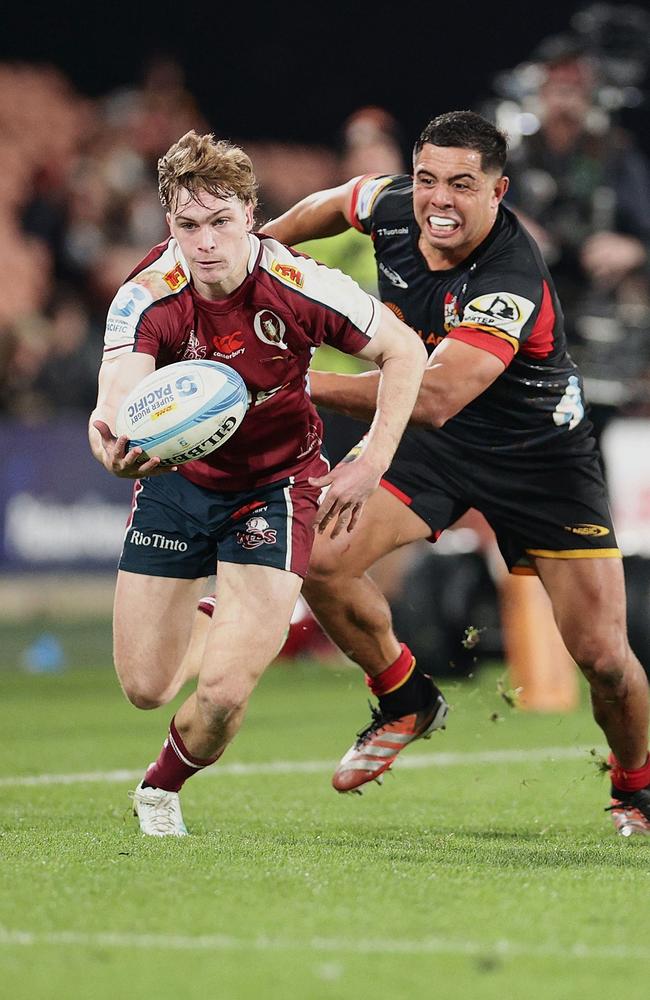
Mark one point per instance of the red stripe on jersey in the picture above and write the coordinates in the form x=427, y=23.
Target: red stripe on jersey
x=355, y=200
x=396, y=492
x=485, y=341
x=540, y=343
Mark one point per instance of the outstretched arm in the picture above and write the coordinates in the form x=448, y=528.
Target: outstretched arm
x=455, y=375
x=324, y=213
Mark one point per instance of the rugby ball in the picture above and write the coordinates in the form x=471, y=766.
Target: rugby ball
x=182, y=412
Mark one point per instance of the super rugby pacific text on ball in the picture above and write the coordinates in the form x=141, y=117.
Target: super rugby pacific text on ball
x=183, y=411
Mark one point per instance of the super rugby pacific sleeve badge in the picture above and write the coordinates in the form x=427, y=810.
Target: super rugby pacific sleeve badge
x=365, y=195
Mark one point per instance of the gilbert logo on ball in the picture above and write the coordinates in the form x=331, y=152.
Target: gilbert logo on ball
x=183, y=411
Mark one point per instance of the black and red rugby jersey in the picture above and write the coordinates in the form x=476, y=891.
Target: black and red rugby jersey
x=267, y=330
x=500, y=299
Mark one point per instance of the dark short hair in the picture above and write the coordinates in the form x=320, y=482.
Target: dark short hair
x=467, y=130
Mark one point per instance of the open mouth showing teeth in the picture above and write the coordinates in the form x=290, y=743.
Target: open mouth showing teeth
x=440, y=222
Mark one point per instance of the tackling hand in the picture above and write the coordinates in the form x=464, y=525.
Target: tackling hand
x=349, y=484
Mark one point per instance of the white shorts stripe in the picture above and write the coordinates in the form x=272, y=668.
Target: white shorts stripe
x=289, y=502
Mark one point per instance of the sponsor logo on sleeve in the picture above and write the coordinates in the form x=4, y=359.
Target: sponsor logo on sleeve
x=131, y=298
x=120, y=327
x=288, y=273
x=368, y=191
x=500, y=310
x=270, y=329
x=175, y=278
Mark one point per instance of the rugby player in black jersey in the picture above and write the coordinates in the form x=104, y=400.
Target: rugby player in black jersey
x=499, y=425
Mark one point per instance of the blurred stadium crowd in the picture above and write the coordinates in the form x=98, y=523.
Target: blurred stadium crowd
x=79, y=206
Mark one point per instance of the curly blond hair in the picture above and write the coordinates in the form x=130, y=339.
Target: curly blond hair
x=201, y=163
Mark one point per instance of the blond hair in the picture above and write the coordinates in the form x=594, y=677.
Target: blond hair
x=200, y=163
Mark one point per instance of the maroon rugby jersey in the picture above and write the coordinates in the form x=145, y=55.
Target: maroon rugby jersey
x=267, y=330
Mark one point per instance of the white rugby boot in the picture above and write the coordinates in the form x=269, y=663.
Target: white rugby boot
x=159, y=812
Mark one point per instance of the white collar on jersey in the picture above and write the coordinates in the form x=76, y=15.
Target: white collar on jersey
x=254, y=252
x=253, y=242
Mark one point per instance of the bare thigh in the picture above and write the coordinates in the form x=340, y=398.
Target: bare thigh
x=252, y=611
x=385, y=525
x=588, y=598
x=152, y=621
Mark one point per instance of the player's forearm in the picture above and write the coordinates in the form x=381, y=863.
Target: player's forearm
x=94, y=437
x=396, y=396
x=353, y=395
x=356, y=396
x=316, y=216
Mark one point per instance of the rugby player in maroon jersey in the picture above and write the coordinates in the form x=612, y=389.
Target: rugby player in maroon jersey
x=499, y=425
x=217, y=290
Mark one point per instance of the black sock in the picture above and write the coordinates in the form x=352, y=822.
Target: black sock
x=413, y=695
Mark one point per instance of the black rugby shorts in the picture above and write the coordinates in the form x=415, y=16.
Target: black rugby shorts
x=552, y=505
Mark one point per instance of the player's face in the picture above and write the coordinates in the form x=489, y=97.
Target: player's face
x=454, y=201
x=213, y=236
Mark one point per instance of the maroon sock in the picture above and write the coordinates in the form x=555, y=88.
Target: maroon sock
x=175, y=764
x=626, y=779
x=206, y=605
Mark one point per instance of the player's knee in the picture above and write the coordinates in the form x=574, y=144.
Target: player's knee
x=603, y=661
x=324, y=568
x=145, y=696
x=218, y=703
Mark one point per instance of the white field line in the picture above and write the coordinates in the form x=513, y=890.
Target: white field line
x=407, y=762
x=498, y=948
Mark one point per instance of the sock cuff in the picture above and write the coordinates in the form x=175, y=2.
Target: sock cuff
x=627, y=779
x=183, y=754
x=394, y=675
x=206, y=605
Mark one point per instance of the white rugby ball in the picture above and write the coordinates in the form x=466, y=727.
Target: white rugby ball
x=183, y=411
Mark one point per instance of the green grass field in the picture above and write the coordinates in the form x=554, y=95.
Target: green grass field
x=484, y=868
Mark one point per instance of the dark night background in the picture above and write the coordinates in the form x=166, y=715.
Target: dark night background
x=285, y=70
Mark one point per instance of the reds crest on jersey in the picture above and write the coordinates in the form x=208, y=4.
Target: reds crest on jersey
x=193, y=349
